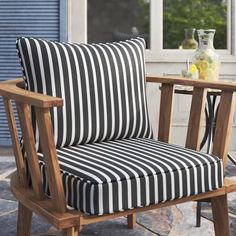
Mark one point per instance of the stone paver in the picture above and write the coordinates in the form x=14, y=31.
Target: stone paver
x=6, y=167
x=157, y=221
x=5, y=192
x=170, y=221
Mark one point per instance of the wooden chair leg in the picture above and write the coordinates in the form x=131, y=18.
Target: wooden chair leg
x=198, y=214
x=24, y=220
x=79, y=228
x=220, y=215
x=131, y=220
x=70, y=232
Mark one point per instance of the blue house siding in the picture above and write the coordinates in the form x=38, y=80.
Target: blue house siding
x=45, y=19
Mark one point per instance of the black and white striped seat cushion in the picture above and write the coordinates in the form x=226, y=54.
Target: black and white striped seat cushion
x=113, y=176
x=102, y=85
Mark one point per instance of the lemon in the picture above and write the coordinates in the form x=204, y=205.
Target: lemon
x=193, y=69
x=202, y=65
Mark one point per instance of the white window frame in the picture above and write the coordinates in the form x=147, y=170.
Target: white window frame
x=158, y=54
x=78, y=32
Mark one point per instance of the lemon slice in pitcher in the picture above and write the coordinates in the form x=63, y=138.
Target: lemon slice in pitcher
x=193, y=69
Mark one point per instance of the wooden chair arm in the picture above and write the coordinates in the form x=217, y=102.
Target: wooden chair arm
x=11, y=90
x=222, y=85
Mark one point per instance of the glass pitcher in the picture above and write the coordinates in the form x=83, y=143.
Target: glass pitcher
x=189, y=41
x=205, y=57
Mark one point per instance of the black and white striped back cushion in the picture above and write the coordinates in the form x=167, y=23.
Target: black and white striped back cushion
x=102, y=85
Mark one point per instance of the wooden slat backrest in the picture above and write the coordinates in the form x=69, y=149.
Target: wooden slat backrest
x=165, y=115
x=29, y=144
x=196, y=113
x=21, y=169
x=224, y=125
x=195, y=118
x=225, y=113
x=50, y=158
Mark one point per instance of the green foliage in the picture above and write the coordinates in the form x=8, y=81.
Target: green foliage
x=143, y=17
x=199, y=14
x=181, y=14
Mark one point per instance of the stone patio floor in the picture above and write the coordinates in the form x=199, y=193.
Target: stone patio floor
x=172, y=221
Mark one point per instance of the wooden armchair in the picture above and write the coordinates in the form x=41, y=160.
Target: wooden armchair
x=117, y=169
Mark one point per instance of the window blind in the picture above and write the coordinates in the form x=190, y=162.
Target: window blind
x=42, y=19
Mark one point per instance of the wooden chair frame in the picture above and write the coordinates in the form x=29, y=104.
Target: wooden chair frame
x=53, y=209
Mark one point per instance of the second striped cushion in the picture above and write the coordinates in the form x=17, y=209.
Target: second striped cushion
x=102, y=85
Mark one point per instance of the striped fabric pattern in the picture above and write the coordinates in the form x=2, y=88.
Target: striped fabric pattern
x=118, y=175
x=102, y=85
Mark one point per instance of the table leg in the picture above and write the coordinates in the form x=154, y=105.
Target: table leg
x=203, y=142
x=212, y=111
x=232, y=159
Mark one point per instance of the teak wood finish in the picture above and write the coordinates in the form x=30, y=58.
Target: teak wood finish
x=53, y=209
